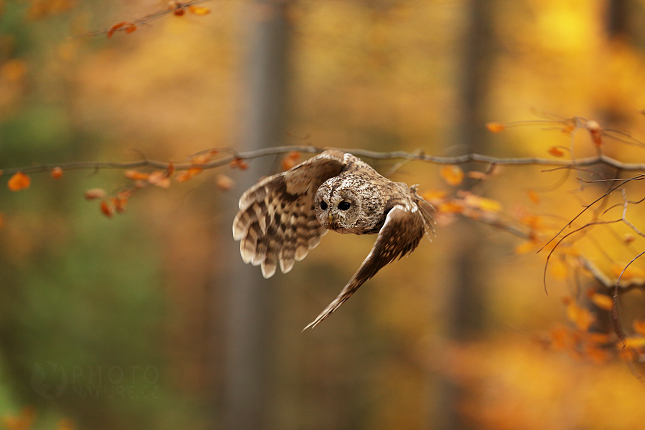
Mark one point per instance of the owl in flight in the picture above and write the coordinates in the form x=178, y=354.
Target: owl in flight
x=283, y=216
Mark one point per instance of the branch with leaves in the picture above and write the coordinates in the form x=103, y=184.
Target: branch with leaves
x=564, y=255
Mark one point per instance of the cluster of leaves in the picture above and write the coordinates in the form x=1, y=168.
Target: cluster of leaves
x=174, y=7
x=567, y=257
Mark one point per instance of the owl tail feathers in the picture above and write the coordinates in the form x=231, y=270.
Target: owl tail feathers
x=347, y=292
x=328, y=311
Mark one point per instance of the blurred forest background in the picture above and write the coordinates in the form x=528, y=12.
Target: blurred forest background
x=149, y=320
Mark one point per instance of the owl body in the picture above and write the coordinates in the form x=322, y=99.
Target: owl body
x=283, y=216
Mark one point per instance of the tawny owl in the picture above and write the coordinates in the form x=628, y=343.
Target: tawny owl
x=283, y=216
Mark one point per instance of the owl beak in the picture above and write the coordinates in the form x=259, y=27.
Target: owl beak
x=331, y=219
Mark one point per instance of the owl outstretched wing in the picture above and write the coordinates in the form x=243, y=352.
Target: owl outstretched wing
x=277, y=220
x=404, y=227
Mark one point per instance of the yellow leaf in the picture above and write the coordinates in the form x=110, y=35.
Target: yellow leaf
x=630, y=272
x=199, y=10
x=525, y=247
x=450, y=207
x=558, y=269
x=482, y=203
x=18, y=182
x=580, y=316
x=603, y=301
x=634, y=342
x=453, y=175
x=434, y=195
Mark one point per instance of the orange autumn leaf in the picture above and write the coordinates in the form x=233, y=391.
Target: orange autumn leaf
x=556, y=152
x=224, y=182
x=106, y=209
x=580, y=316
x=95, y=193
x=115, y=27
x=131, y=28
x=170, y=170
x=202, y=158
x=534, y=197
x=603, y=301
x=199, y=10
x=434, y=195
x=639, y=326
x=290, y=160
x=238, y=163
x=599, y=338
x=159, y=178
x=135, y=175
x=57, y=173
x=119, y=203
x=453, y=175
x=188, y=174
x=19, y=181
x=495, y=127
x=450, y=207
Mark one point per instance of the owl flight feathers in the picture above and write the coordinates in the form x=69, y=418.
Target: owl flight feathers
x=283, y=216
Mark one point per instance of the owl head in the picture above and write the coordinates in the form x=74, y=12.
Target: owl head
x=337, y=205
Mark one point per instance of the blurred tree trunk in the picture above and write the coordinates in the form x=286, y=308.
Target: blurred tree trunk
x=249, y=305
x=465, y=311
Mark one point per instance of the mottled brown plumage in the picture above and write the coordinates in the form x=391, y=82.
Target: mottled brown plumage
x=283, y=216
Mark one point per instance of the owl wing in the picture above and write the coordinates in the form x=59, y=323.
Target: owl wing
x=277, y=220
x=401, y=233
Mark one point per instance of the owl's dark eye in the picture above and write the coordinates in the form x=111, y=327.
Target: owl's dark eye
x=343, y=206
x=323, y=205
